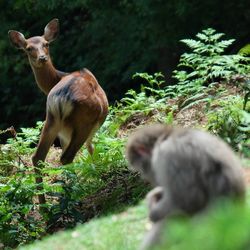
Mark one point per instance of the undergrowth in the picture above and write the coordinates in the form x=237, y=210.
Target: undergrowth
x=102, y=183
x=231, y=122
x=206, y=64
x=223, y=227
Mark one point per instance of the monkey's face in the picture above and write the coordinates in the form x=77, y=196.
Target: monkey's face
x=140, y=159
x=140, y=148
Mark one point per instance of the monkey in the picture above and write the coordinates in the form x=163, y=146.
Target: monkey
x=189, y=169
x=153, y=237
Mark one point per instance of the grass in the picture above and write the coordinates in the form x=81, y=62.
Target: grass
x=224, y=227
x=97, y=186
x=94, y=186
x=116, y=232
x=102, y=186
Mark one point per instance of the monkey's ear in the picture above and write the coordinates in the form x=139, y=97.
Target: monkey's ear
x=155, y=195
x=141, y=150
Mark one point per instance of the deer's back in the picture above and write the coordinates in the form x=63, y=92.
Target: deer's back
x=78, y=96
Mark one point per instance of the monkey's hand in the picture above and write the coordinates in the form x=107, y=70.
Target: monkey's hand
x=154, y=196
x=157, y=204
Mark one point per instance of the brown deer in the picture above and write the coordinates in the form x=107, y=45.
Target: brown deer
x=76, y=104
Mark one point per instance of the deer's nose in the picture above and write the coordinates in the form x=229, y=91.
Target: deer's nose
x=43, y=58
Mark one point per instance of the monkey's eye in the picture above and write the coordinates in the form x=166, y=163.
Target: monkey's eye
x=29, y=49
x=46, y=45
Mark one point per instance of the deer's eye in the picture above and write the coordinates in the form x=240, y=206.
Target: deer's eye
x=46, y=45
x=29, y=49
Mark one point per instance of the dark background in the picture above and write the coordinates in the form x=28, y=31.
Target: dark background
x=112, y=38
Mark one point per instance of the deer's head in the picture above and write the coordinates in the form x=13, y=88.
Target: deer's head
x=36, y=47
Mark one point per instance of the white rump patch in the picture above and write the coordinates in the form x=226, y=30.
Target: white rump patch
x=59, y=106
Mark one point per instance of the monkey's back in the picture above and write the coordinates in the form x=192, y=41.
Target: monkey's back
x=196, y=168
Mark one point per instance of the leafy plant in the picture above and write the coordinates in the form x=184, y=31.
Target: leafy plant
x=244, y=127
x=18, y=222
x=245, y=51
x=231, y=123
x=25, y=141
x=151, y=97
x=68, y=187
x=246, y=87
x=205, y=64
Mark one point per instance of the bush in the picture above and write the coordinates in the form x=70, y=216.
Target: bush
x=231, y=123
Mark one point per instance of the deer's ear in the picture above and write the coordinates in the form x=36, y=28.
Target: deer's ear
x=17, y=39
x=51, y=30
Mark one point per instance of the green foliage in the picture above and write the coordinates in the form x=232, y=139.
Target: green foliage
x=223, y=227
x=231, y=123
x=88, y=171
x=205, y=64
x=152, y=97
x=17, y=221
x=245, y=51
x=245, y=129
x=246, y=87
x=18, y=224
x=103, y=180
x=113, y=39
x=123, y=231
x=25, y=140
x=71, y=184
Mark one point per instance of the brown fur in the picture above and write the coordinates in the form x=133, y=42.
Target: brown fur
x=76, y=104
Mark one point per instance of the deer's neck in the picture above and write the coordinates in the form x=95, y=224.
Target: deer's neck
x=47, y=76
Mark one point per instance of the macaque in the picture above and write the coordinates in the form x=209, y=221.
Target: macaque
x=189, y=168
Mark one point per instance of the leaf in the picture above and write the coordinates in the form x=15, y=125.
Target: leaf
x=193, y=44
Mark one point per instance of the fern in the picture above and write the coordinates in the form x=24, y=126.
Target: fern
x=245, y=51
x=205, y=64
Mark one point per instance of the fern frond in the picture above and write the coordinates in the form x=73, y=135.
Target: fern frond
x=225, y=43
x=205, y=64
x=245, y=51
x=202, y=37
x=209, y=31
x=216, y=36
x=191, y=43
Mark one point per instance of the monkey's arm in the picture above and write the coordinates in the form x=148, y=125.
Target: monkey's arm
x=159, y=204
x=153, y=237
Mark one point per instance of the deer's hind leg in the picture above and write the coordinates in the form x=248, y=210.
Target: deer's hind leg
x=79, y=136
x=48, y=135
x=89, y=144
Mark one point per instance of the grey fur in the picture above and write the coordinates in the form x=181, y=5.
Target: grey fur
x=189, y=167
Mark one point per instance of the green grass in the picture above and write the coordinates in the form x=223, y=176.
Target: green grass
x=224, y=227
x=101, y=184
x=116, y=232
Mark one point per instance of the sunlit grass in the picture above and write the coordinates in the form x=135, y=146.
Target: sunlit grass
x=225, y=227
x=116, y=232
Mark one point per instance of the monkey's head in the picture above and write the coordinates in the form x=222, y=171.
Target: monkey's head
x=140, y=147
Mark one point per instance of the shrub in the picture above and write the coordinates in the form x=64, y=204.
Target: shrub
x=231, y=123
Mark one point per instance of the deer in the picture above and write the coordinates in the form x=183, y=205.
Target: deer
x=76, y=105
